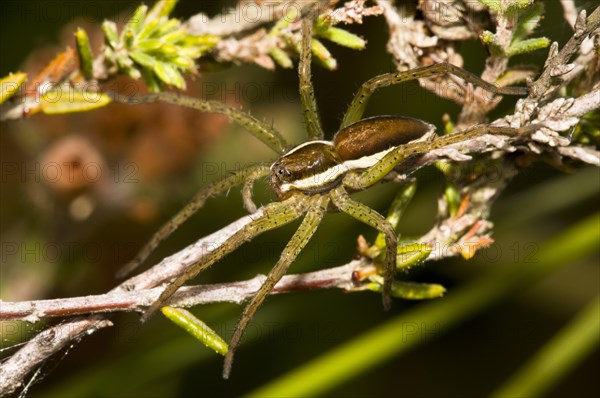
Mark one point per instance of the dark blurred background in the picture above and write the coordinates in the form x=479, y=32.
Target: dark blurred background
x=64, y=236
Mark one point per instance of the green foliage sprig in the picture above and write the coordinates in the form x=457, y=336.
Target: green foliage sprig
x=323, y=28
x=151, y=46
x=528, y=15
x=162, y=51
x=155, y=47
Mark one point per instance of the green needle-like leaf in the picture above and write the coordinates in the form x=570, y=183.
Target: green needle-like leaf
x=452, y=198
x=10, y=84
x=167, y=50
x=169, y=74
x=166, y=27
x=200, y=41
x=110, y=33
x=526, y=46
x=84, y=50
x=281, y=57
x=323, y=55
x=143, y=59
x=124, y=61
x=148, y=29
x=528, y=22
x=397, y=208
x=291, y=15
x=448, y=126
x=409, y=290
x=492, y=42
x=151, y=81
x=59, y=101
x=127, y=37
x=344, y=38
x=412, y=254
x=149, y=45
x=194, y=326
x=138, y=18
x=184, y=63
x=163, y=8
x=174, y=36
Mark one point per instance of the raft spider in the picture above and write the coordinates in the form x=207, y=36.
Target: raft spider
x=316, y=176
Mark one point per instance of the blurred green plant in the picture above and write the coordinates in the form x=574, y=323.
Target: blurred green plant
x=378, y=345
x=560, y=355
x=155, y=46
x=587, y=132
x=161, y=51
x=10, y=84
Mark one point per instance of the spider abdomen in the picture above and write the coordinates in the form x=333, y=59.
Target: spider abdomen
x=376, y=134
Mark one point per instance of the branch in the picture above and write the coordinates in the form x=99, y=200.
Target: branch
x=32, y=355
x=136, y=293
x=261, y=47
x=474, y=111
x=557, y=63
x=138, y=300
x=47, y=343
x=133, y=295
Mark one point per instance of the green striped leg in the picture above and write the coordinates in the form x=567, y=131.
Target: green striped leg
x=360, y=181
x=267, y=134
x=363, y=213
x=316, y=209
x=307, y=92
x=275, y=215
x=192, y=207
x=359, y=103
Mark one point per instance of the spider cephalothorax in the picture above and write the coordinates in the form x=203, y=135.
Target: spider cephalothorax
x=316, y=176
x=308, y=168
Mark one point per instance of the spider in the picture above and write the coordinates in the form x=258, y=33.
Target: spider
x=316, y=176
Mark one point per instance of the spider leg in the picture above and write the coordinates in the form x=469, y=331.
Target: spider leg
x=360, y=181
x=196, y=203
x=275, y=215
x=267, y=134
x=361, y=212
x=359, y=103
x=251, y=178
x=307, y=92
x=316, y=210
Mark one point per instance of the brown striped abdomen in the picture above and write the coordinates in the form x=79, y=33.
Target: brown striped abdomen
x=376, y=134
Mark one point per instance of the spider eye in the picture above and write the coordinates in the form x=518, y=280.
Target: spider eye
x=284, y=172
